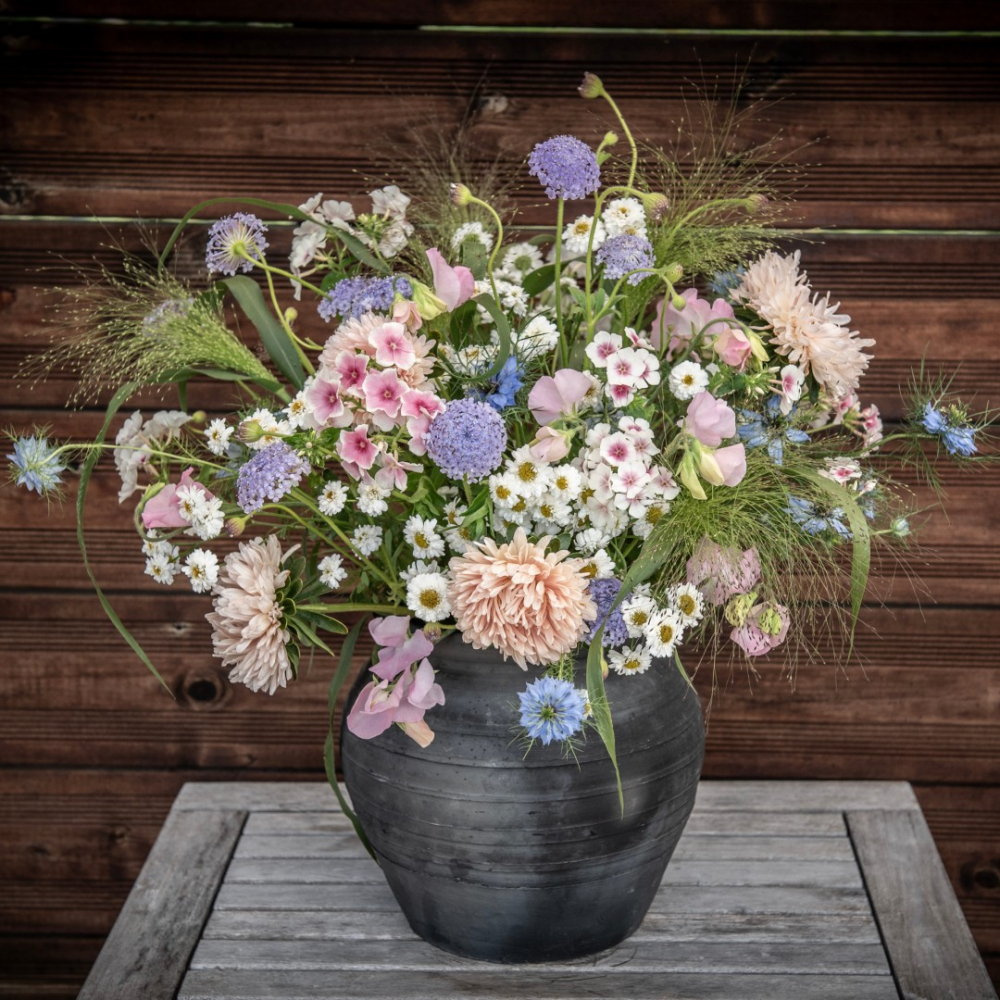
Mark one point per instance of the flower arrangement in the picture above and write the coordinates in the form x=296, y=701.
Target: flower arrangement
x=638, y=431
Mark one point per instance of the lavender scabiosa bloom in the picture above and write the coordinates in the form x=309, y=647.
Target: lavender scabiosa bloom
x=552, y=709
x=467, y=440
x=353, y=297
x=566, y=166
x=625, y=253
x=36, y=464
x=231, y=240
x=603, y=592
x=269, y=475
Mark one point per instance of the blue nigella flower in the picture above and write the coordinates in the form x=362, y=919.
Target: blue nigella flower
x=625, y=253
x=501, y=390
x=232, y=240
x=566, y=166
x=933, y=420
x=804, y=514
x=604, y=592
x=36, y=464
x=723, y=282
x=960, y=441
x=768, y=430
x=551, y=709
x=353, y=297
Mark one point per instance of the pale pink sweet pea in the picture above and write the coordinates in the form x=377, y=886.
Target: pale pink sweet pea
x=553, y=396
x=392, y=346
x=377, y=706
x=164, y=509
x=383, y=392
x=710, y=420
x=452, y=285
x=323, y=400
x=733, y=347
x=549, y=445
x=356, y=450
x=752, y=639
x=399, y=649
x=723, y=466
x=405, y=311
x=677, y=326
x=721, y=573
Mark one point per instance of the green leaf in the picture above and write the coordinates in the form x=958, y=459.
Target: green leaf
x=539, y=279
x=336, y=683
x=273, y=336
x=473, y=256
x=358, y=249
x=491, y=305
x=119, y=398
x=599, y=706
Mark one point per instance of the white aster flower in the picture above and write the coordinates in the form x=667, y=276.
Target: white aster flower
x=513, y=297
x=687, y=379
x=689, y=602
x=663, y=632
x=576, y=236
x=599, y=566
x=521, y=259
x=417, y=567
x=208, y=521
x=588, y=709
x=554, y=510
x=503, y=490
x=427, y=596
x=422, y=536
x=217, y=436
x=192, y=502
x=201, y=567
x=331, y=571
x=648, y=516
x=454, y=512
x=161, y=569
x=371, y=498
x=590, y=540
x=332, y=498
x=566, y=481
x=298, y=409
x=272, y=429
x=472, y=230
x=630, y=661
x=366, y=538
x=539, y=336
x=531, y=475
x=624, y=216
x=638, y=611
x=460, y=539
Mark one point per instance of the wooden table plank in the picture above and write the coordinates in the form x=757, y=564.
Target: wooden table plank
x=149, y=947
x=930, y=947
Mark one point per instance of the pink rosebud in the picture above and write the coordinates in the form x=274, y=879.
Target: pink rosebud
x=733, y=347
x=710, y=420
x=553, y=396
x=452, y=285
x=549, y=445
x=164, y=509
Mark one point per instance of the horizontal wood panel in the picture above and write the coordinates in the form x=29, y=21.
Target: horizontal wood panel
x=891, y=129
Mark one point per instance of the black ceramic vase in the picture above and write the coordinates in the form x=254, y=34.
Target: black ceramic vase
x=511, y=858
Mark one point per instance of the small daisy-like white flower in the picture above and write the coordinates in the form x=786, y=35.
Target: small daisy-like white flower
x=331, y=571
x=531, y=475
x=367, y=538
x=422, y=536
x=599, y=566
x=538, y=337
x=663, y=632
x=630, y=661
x=454, y=512
x=648, y=517
x=513, y=298
x=191, y=502
x=155, y=546
x=417, y=567
x=371, y=498
x=590, y=540
x=298, y=410
x=576, y=236
x=504, y=490
x=332, y=498
x=687, y=379
x=638, y=611
x=161, y=569
x=689, y=602
x=271, y=429
x=201, y=567
x=624, y=216
x=472, y=230
x=460, y=539
x=427, y=596
x=553, y=509
x=566, y=481
x=209, y=520
x=217, y=436
x=521, y=259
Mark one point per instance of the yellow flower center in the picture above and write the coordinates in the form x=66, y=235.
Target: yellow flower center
x=502, y=492
x=632, y=664
x=420, y=540
x=562, y=483
x=586, y=494
x=654, y=514
x=527, y=472
x=688, y=380
x=520, y=505
x=589, y=570
x=581, y=228
x=687, y=604
x=666, y=634
x=429, y=599
x=546, y=511
x=639, y=618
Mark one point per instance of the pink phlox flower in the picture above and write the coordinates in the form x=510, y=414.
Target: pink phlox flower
x=621, y=394
x=649, y=368
x=630, y=479
x=602, y=347
x=323, y=400
x=792, y=378
x=664, y=482
x=710, y=420
x=164, y=509
x=393, y=346
x=393, y=473
x=452, y=285
x=617, y=449
x=417, y=403
x=355, y=449
x=417, y=428
x=351, y=368
x=842, y=405
x=556, y=395
x=383, y=392
x=636, y=339
x=721, y=573
x=626, y=368
x=871, y=422
x=752, y=639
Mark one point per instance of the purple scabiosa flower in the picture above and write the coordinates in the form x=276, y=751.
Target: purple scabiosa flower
x=269, y=475
x=35, y=463
x=604, y=593
x=566, y=166
x=353, y=297
x=552, y=709
x=467, y=440
x=625, y=253
x=231, y=240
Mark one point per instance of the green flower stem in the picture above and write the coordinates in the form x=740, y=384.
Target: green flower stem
x=296, y=343
x=628, y=135
x=264, y=266
x=560, y=210
x=473, y=200
x=385, y=609
x=90, y=446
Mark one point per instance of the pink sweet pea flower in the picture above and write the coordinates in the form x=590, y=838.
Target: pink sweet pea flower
x=452, y=285
x=678, y=326
x=406, y=312
x=399, y=649
x=383, y=392
x=733, y=347
x=753, y=639
x=355, y=449
x=394, y=472
x=549, y=445
x=723, y=466
x=323, y=398
x=164, y=509
x=377, y=707
x=392, y=346
x=553, y=396
x=710, y=420
x=351, y=368
x=720, y=573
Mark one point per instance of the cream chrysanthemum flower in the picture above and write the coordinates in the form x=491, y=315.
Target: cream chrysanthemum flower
x=528, y=604
x=246, y=624
x=808, y=330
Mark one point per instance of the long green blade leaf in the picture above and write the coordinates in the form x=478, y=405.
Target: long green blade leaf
x=600, y=708
x=491, y=305
x=116, y=403
x=251, y=300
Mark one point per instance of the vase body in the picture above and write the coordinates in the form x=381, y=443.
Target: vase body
x=507, y=857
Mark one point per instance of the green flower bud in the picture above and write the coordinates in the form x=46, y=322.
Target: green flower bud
x=591, y=87
x=460, y=195
x=656, y=205
x=427, y=303
x=674, y=273
x=249, y=431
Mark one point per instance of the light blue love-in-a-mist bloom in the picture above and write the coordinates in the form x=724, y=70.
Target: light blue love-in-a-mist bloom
x=552, y=709
x=36, y=464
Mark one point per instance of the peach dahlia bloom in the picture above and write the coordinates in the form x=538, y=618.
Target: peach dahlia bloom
x=530, y=605
x=246, y=624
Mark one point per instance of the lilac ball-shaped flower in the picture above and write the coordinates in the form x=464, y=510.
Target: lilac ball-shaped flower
x=269, y=475
x=625, y=253
x=604, y=593
x=566, y=166
x=467, y=440
x=234, y=243
x=353, y=297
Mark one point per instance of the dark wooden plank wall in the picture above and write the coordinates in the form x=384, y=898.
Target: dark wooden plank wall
x=132, y=119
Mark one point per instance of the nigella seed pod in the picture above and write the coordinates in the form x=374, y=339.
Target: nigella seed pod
x=756, y=203
x=591, y=87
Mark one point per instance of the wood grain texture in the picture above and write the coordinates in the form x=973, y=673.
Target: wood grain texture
x=915, y=906
x=159, y=926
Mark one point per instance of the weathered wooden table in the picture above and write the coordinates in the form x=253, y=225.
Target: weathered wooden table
x=780, y=890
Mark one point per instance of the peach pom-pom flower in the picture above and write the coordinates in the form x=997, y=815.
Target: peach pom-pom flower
x=530, y=605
